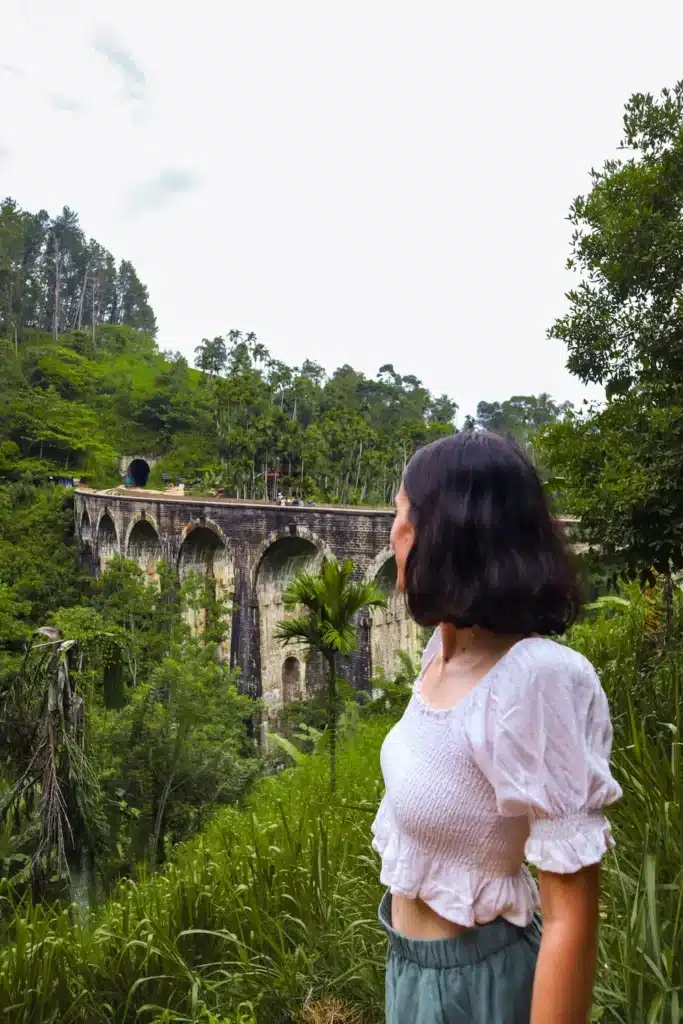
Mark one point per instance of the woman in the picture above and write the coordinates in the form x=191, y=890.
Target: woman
x=502, y=754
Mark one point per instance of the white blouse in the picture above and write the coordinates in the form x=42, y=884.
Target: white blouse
x=519, y=768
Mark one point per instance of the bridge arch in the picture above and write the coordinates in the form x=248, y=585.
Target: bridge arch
x=204, y=551
x=139, y=517
x=142, y=544
x=392, y=629
x=85, y=527
x=107, y=539
x=292, y=532
x=278, y=560
x=201, y=524
x=85, y=534
x=377, y=564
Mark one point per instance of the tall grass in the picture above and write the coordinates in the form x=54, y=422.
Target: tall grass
x=274, y=907
x=640, y=977
x=269, y=916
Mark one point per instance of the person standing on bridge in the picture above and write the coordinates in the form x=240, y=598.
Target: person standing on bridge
x=502, y=755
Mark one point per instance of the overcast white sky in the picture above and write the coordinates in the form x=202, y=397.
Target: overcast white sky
x=357, y=182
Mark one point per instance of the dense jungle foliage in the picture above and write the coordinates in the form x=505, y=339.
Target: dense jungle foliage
x=75, y=399
x=120, y=730
x=270, y=915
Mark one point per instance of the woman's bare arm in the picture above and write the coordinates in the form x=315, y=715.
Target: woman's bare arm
x=565, y=971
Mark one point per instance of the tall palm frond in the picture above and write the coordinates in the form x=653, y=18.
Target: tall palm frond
x=299, y=630
x=332, y=599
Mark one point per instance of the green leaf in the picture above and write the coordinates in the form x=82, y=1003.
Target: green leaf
x=289, y=748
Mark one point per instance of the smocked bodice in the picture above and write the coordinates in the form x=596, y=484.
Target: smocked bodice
x=519, y=768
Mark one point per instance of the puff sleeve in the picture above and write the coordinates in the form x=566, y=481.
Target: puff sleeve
x=543, y=740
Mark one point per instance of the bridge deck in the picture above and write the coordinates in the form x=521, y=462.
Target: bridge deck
x=178, y=497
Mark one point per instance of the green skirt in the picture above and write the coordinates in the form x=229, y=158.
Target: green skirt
x=484, y=976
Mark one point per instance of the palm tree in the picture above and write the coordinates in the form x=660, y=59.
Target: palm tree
x=327, y=603
x=43, y=728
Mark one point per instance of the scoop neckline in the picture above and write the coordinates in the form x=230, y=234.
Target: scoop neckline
x=424, y=704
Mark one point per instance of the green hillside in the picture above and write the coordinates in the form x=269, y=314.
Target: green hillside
x=83, y=382
x=73, y=404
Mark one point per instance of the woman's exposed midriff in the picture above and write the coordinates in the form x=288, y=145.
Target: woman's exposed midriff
x=416, y=920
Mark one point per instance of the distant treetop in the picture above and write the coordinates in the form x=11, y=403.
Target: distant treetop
x=54, y=279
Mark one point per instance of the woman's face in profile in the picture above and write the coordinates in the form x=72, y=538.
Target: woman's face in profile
x=402, y=537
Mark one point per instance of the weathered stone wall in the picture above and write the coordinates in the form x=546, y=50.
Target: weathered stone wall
x=392, y=628
x=206, y=554
x=107, y=539
x=252, y=551
x=144, y=548
x=278, y=566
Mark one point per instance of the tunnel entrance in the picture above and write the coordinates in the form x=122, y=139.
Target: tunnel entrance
x=138, y=473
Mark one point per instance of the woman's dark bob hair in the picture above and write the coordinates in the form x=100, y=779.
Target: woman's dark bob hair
x=487, y=551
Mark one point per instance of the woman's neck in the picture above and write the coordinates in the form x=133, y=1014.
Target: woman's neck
x=455, y=641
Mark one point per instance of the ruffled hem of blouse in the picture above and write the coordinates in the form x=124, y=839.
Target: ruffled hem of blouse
x=577, y=844
x=468, y=898
x=513, y=897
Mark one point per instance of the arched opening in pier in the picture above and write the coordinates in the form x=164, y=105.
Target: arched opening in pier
x=107, y=541
x=144, y=548
x=278, y=566
x=291, y=680
x=204, y=557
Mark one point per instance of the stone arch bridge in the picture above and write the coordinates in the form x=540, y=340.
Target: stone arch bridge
x=252, y=551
